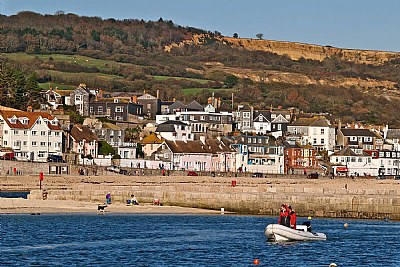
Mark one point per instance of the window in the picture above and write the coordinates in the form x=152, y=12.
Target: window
x=57, y=133
x=41, y=154
x=119, y=118
x=191, y=118
x=246, y=114
x=367, y=139
x=202, y=118
x=260, y=118
x=25, y=132
x=322, y=131
x=353, y=138
x=315, y=141
x=16, y=132
x=34, y=132
x=38, y=122
x=91, y=110
x=5, y=143
x=5, y=131
x=25, y=143
x=49, y=144
x=25, y=121
x=34, y=143
x=279, y=127
x=42, y=132
x=49, y=133
x=322, y=141
x=100, y=110
x=42, y=143
x=119, y=109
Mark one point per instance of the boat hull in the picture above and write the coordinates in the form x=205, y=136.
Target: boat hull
x=277, y=232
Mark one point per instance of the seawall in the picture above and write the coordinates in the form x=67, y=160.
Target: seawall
x=339, y=198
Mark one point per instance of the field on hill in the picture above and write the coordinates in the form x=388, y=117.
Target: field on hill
x=188, y=64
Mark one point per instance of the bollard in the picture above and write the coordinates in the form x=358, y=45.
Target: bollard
x=233, y=183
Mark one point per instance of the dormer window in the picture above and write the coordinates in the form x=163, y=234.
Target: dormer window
x=25, y=121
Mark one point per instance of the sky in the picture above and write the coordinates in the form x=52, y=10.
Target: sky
x=358, y=24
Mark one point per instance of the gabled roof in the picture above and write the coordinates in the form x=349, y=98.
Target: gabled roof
x=151, y=139
x=347, y=151
x=169, y=126
x=146, y=96
x=194, y=147
x=280, y=118
x=31, y=116
x=111, y=126
x=177, y=105
x=357, y=132
x=194, y=105
x=82, y=132
x=315, y=121
x=265, y=114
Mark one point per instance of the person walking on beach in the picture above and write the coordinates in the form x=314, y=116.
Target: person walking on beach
x=108, y=198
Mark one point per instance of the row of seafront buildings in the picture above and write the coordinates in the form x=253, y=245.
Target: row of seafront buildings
x=193, y=137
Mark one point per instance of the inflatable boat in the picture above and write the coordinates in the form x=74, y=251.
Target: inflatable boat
x=277, y=232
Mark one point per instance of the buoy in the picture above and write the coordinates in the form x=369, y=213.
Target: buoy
x=256, y=261
x=309, y=218
x=345, y=225
x=332, y=264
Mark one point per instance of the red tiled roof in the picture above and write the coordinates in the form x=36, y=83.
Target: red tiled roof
x=32, y=118
x=82, y=132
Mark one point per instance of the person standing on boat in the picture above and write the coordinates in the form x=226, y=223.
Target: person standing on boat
x=284, y=216
x=293, y=218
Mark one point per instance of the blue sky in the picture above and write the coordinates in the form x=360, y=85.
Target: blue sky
x=363, y=24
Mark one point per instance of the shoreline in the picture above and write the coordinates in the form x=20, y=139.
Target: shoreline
x=358, y=198
x=17, y=206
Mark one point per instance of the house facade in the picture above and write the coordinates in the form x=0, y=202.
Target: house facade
x=259, y=154
x=353, y=162
x=175, y=131
x=80, y=98
x=359, y=138
x=115, y=109
x=84, y=141
x=33, y=136
x=297, y=156
x=316, y=131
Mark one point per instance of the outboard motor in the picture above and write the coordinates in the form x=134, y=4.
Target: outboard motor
x=308, y=224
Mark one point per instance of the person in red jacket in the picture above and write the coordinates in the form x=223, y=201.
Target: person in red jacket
x=284, y=215
x=293, y=217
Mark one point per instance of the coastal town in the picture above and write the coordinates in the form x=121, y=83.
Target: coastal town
x=132, y=133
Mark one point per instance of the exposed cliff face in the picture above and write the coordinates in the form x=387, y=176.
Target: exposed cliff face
x=298, y=50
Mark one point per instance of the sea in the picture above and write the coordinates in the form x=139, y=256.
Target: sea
x=189, y=240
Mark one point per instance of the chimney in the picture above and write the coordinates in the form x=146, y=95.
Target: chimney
x=174, y=99
x=158, y=94
x=339, y=124
x=134, y=99
x=270, y=108
x=29, y=109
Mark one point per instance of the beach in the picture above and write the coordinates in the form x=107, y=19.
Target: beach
x=202, y=194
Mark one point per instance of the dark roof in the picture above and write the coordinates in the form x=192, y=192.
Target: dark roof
x=194, y=105
x=357, y=132
x=82, y=132
x=315, y=121
x=393, y=134
x=169, y=126
x=347, y=151
x=177, y=105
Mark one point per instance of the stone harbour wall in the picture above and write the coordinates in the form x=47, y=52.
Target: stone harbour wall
x=247, y=199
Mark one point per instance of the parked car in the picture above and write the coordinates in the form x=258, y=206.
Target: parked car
x=8, y=156
x=55, y=158
x=313, y=175
x=257, y=174
x=114, y=169
x=192, y=173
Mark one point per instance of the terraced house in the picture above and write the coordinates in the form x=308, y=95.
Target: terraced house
x=33, y=136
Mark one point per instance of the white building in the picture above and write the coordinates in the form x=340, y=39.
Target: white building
x=353, y=162
x=316, y=131
x=175, y=131
x=31, y=135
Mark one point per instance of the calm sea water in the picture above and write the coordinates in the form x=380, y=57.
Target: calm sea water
x=188, y=240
